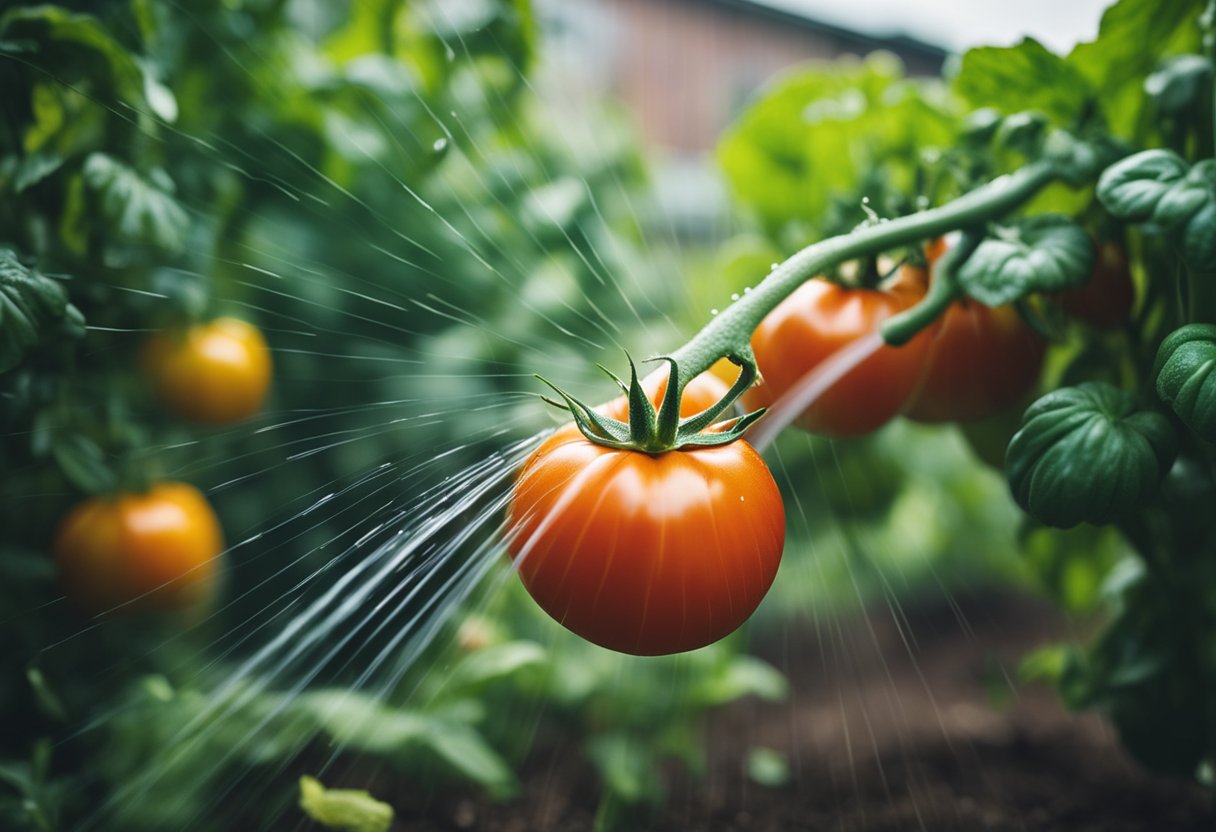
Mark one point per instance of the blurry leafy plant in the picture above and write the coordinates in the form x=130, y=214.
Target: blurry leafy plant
x=1125, y=123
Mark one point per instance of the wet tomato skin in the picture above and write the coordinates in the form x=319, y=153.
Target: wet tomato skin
x=646, y=554
x=213, y=373
x=821, y=317
x=153, y=550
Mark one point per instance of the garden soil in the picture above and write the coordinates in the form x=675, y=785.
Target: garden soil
x=900, y=719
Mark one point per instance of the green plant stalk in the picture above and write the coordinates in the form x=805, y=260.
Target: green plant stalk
x=729, y=334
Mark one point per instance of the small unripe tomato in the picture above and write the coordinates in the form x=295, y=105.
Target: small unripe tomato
x=213, y=373
x=155, y=550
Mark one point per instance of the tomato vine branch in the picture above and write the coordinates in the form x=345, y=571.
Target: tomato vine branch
x=729, y=334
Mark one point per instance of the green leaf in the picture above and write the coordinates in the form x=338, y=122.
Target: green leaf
x=32, y=307
x=626, y=766
x=465, y=751
x=1159, y=186
x=1180, y=84
x=1088, y=454
x=820, y=133
x=1045, y=253
x=493, y=663
x=348, y=809
x=75, y=46
x=1027, y=76
x=767, y=767
x=84, y=463
x=1185, y=369
x=1133, y=37
x=741, y=676
x=136, y=209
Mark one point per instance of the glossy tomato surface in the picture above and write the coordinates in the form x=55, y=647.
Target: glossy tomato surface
x=155, y=550
x=817, y=320
x=212, y=373
x=646, y=554
x=982, y=361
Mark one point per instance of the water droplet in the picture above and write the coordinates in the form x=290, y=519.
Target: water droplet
x=440, y=145
x=734, y=296
x=449, y=52
x=453, y=114
x=741, y=498
x=865, y=200
x=713, y=311
x=746, y=289
x=774, y=266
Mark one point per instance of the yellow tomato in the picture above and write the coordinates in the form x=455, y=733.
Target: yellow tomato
x=215, y=373
x=155, y=550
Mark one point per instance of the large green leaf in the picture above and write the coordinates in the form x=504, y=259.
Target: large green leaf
x=31, y=307
x=1159, y=186
x=1027, y=76
x=1045, y=253
x=1185, y=370
x=824, y=131
x=1088, y=454
x=137, y=210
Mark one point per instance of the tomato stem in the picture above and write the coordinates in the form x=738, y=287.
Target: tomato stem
x=730, y=332
x=943, y=290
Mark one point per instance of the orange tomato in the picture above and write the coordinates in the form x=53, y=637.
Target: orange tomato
x=646, y=553
x=212, y=373
x=156, y=550
x=821, y=317
x=981, y=361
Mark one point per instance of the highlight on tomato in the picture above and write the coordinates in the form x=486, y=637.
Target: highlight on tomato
x=640, y=548
x=215, y=373
x=156, y=550
x=822, y=317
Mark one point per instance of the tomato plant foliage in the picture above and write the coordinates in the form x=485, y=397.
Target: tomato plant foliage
x=1122, y=438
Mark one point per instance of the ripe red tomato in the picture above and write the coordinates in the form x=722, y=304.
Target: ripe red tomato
x=213, y=373
x=818, y=319
x=1106, y=299
x=156, y=550
x=646, y=553
x=981, y=361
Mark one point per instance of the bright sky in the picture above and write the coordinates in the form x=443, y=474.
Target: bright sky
x=958, y=24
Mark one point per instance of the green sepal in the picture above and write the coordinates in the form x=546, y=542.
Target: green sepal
x=655, y=432
x=597, y=427
x=1088, y=454
x=747, y=377
x=1185, y=370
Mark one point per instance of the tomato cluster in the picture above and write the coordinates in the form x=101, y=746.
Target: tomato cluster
x=973, y=363
x=158, y=549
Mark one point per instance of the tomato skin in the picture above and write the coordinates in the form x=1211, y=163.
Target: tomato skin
x=1106, y=299
x=213, y=373
x=155, y=550
x=646, y=554
x=981, y=361
x=821, y=317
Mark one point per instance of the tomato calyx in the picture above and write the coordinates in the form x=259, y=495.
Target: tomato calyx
x=658, y=431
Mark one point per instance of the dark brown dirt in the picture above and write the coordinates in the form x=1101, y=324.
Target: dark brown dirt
x=897, y=720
